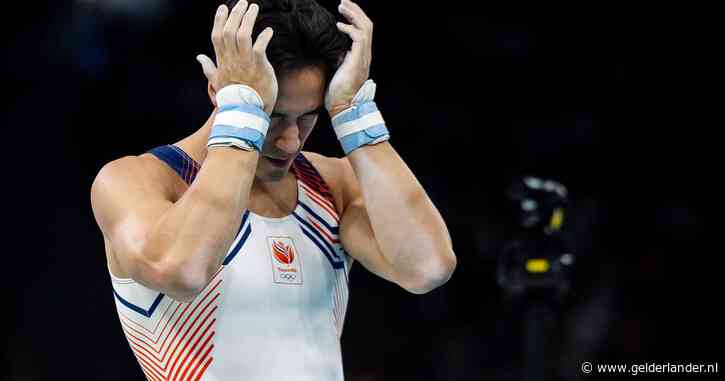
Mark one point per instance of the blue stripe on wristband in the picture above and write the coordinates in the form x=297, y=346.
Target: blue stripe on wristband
x=248, y=135
x=249, y=109
x=354, y=141
x=356, y=112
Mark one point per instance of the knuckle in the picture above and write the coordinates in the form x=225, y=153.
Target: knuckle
x=243, y=38
x=242, y=34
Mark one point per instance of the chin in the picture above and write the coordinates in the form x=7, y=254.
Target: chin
x=269, y=172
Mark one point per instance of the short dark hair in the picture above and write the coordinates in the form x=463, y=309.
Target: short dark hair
x=304, y=35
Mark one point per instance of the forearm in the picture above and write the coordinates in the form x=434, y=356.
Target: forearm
x=408, y=228
x=192, y=237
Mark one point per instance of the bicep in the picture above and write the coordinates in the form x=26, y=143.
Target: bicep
x=126, y=208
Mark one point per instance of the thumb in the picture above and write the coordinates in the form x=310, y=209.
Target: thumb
x=207, y=65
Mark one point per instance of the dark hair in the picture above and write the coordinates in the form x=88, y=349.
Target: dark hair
x=304, y=35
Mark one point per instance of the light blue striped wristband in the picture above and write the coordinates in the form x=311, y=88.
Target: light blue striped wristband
x=239, y=125
x=360, y=125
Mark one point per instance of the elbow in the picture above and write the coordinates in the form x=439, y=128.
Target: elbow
x=432, y=274
x=180, y=281
x=185, y=281
x=183, y=286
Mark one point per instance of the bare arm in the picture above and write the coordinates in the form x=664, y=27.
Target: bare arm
x=173, y=247
x=176, y=247
x=391, y=226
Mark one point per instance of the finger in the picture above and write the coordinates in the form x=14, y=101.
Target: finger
x=216, y=34
x=358, y=48
x=207, y=66
x=232, y=25
x=355, y=14
x=355, y=34
x=260, y=46
x=244, y=35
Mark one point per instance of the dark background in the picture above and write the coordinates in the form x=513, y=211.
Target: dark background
x=474, y=97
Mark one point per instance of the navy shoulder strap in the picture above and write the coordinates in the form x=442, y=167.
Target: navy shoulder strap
x=178, y=160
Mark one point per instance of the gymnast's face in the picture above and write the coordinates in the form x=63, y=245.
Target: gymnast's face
x=299, y=102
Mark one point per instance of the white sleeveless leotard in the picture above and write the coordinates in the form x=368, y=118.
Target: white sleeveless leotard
x=274, y=310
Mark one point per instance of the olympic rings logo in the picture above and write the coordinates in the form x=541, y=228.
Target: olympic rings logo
x=288, y=276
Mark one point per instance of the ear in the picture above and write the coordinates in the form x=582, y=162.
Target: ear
x=212, y=93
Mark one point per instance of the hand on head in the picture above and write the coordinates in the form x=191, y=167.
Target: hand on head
x=238, y=60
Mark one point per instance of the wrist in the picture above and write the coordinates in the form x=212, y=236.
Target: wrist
x=235, y=94
x=360, y=125
x=241, y=121
x=338, y=108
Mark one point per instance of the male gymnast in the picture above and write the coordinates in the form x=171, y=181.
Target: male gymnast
x=229, y=250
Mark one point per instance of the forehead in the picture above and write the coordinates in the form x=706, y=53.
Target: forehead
x=300, y=91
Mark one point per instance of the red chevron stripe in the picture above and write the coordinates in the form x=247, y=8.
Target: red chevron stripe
x=157, y=324
x=158, y=351
x=329, y=203
x=187, y=319
x=146, y=372
x=323, y=231
x=151, y=361
x=330, y=212
x=142, y=359
x=188, y=362
x=151, y=365
x=155, y=341
x=313, y=179
x=320, y=188
x=174, y=369
x=128, y=329
x=149, y=377
x=317, y=199
x=137, y=347
x=206, y=365
x=176, y=354
x=204, y=356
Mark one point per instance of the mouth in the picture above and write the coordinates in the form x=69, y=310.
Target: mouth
x=278, y=162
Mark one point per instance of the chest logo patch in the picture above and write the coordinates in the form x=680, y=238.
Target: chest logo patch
x=286, y=264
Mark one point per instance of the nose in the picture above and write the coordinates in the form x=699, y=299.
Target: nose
x=289, y=140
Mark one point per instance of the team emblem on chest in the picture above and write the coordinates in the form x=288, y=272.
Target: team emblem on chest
x=286, y=263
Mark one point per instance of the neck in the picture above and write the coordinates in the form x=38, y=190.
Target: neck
x=262, y=192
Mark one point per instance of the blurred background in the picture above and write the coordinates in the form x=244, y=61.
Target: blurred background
x=475, y=98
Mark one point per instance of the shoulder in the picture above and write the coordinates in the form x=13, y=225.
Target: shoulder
x=131, y=177
x=133, y=171
x=337, y=173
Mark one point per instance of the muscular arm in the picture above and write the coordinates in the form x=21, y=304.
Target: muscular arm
x=176, y=247
x=390, y=225
x=173, y=247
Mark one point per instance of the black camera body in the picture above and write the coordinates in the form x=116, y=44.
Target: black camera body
x=537, y=260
